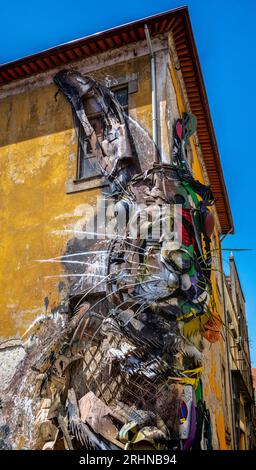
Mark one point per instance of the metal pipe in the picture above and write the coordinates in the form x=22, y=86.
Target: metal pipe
x=233, y=419
x=153, y=91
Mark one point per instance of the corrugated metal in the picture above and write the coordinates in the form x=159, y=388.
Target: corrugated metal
x=179, y=23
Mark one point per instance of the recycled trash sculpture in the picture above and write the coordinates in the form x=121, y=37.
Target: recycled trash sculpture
x=124, y=373
x=155, y=285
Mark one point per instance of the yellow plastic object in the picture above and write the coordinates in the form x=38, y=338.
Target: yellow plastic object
x=194, y=381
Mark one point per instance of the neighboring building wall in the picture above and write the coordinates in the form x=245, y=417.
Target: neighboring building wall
x=254, y=382
x=254, y=408
x=38, y=164
x=239, y=359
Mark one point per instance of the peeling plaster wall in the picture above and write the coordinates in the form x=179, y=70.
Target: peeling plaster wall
x=12, y=352
x=38, y=149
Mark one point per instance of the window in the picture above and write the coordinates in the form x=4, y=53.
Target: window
x=87, y=164
x=121, y=93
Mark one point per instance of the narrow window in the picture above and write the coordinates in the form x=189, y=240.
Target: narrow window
x=87, y=165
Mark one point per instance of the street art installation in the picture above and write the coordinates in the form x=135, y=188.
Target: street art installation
x=124, y=371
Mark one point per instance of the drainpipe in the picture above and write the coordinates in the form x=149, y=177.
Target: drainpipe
x=153, y=91
x=228, y=349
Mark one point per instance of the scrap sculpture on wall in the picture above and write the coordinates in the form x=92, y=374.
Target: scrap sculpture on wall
x=125, y=373
x=155, y=286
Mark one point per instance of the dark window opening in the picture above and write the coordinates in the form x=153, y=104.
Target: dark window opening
x=121, y=94
x=87, y=164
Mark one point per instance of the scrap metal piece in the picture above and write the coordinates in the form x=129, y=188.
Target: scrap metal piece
x=113, y=151
x=82, y=432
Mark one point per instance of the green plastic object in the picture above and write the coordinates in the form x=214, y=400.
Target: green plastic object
x=199, y=392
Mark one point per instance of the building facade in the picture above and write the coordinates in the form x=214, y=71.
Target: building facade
x=49, y=187
x=254, y=382
x=240, y=362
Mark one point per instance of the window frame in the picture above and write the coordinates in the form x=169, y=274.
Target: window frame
x=79, y=157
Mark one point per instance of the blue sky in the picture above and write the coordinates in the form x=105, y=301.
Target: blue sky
x=225, y=35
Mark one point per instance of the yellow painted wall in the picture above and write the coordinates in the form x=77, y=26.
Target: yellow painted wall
x=36, y=141
x=38, y=149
